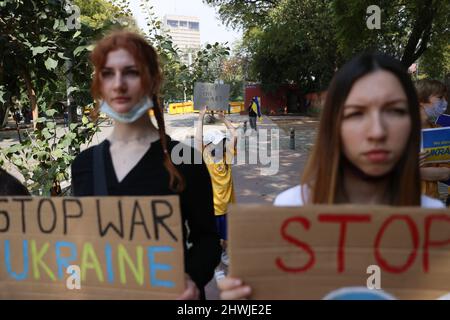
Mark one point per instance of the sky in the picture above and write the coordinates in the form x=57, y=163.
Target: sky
x=211, y=28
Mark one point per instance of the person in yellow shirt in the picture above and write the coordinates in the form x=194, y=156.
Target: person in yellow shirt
x=218, y=154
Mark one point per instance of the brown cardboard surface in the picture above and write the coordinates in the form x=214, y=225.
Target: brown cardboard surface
x=301, y=253
x=139, y=256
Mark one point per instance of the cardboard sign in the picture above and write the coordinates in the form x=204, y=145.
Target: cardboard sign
x=91, y=248
x=214, y=96
x=437, y=142
x=307, y=252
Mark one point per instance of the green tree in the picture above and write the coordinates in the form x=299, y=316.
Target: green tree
x=303, y=41
x=232, y=73
x=31, y=33
x=172, y=66
x=39, y=52
x=296, y=47
x=408, y=28
x=288, y=42
x=44, y=62
x=244, y=13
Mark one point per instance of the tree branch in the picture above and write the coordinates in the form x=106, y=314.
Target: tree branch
x=421, y=30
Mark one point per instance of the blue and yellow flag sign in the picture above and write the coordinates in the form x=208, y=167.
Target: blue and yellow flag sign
x=437, y=142
x=256, y=106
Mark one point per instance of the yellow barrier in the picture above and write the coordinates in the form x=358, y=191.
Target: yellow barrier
x=182, y=107
x=236, y=106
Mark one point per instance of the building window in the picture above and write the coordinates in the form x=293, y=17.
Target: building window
x=183, y=24
x=173, y=23
x=193, y=25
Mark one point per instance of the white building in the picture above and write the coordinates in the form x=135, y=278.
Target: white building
x=185, y=33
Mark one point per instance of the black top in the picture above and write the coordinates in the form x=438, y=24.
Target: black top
x=251, y=112
x=150, y=177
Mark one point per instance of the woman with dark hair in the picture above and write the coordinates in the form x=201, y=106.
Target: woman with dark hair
x=135, y=159
x=367, y=146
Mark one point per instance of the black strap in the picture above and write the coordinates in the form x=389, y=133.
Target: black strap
x=100, y=188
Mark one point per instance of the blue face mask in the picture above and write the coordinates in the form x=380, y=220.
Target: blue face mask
x=131, y=116
x=436, y=109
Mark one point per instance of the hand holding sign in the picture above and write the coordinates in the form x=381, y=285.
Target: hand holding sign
x=306, y=252
x=191, y=292
x=233, y=289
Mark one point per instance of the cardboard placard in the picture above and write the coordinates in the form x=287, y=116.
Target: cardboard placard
x=306, y=252
x=214, y=96
x=437, y=142
x=120, y=247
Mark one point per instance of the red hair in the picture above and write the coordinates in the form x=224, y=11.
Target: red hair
x=148, y=65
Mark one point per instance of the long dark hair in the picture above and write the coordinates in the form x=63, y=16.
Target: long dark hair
x=323, y=174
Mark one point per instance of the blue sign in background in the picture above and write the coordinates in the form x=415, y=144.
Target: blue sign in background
x=435, y=138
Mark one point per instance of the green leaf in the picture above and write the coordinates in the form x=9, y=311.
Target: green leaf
x=18, y=162
x=14, y=148
x=71, y=135
x=76, y=34
x=78, y=50
x=61, y=55
x=58, y=153
x=39, y=50
x=41, y=120
x=51, y=64
x=72, y=89
x=60, y=176
x=50, y=112
x=56, y=24
x=46, y=133
x=84, y=120
x=66, y=142
x=41, y=154
x=63, y=27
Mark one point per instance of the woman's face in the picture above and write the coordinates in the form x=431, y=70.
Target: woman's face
x=376, y=123
x=121, y=85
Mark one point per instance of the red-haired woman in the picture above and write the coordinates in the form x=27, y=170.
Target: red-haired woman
x=135, y=159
